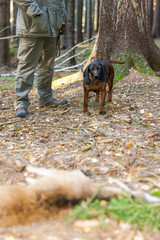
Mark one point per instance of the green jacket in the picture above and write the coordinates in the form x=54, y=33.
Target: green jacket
x=40, y=18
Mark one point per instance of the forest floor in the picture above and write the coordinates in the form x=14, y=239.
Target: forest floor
x=125, y=145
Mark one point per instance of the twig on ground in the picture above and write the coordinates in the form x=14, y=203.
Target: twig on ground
x=18, y=150
x=89, y=147
x=8, y=123
x=47, y=125
x=10, y=140
x=143, y=123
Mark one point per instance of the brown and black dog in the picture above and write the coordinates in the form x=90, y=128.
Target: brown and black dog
x=96, y=76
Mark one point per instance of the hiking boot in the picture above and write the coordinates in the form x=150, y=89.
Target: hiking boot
x=21, y=112
x=54, y=103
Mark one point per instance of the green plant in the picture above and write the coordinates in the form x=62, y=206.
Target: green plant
x=136, y=212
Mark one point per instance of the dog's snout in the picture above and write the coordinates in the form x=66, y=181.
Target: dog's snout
x=96, y=74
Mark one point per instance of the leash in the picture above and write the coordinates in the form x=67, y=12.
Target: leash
x=69, y=46
x=58, y=46
x=61, y=32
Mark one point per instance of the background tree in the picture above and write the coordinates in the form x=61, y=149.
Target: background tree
x=150, y=12
x=97, y=12
x=124, y=34
x=156, y=21
x=13, y=16
x=89, y=23
x=71, y=27
x=79, y=16
x=63, y=37
x=4, y=31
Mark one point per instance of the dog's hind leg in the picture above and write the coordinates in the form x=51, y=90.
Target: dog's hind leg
x=103, y=96
x=110, y=86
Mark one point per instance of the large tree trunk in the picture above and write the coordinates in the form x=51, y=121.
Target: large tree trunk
x=4, y=31
x=124, y=34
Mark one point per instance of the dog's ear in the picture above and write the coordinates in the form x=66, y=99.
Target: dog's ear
x=104, y=74
x=86, y=75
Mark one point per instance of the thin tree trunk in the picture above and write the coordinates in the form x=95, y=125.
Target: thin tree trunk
x=89, y=19
x=63, y=38
x=71, y=27
x=93, y=15
x=85, y=26
x=13, y=16
x=98, y=5
x=150, y=11
x=79, y=8
x=156, y=21
x=4, y=31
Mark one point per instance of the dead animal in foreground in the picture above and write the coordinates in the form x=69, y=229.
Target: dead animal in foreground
x=30, y=203
x=20, y=204
x=96, y=76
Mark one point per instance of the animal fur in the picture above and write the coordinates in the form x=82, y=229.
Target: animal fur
x=19, y=205
x=29, y=203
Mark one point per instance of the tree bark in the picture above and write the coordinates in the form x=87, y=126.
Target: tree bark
x=124, y=34
x=4, y=31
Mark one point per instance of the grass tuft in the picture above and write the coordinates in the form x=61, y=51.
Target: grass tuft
x=144, y=216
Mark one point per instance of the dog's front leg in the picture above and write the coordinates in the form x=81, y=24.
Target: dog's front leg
x=103, y=96
x=85, y=106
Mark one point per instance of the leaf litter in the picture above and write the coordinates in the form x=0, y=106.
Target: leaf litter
x=123, y=144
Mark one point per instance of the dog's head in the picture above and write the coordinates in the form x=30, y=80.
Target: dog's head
x=95, y=71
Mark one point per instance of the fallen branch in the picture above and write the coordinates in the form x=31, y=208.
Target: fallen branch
x=72, y=67
x=76, y=46
x=66, y=60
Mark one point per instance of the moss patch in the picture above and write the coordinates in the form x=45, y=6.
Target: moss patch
x=131, y=59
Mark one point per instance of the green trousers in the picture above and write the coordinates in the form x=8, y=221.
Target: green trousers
x=35, y=54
